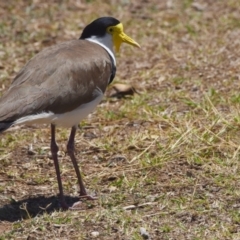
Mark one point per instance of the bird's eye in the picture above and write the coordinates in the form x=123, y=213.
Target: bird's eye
x=110, y=30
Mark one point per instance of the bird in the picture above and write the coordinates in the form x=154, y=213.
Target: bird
x=64, y=83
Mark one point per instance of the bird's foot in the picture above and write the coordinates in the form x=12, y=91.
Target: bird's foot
x=88, y=197
x=76, y=206
x=64, y=205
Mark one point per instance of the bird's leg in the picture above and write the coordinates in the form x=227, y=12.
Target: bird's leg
x=54, y=151
x=70, y=149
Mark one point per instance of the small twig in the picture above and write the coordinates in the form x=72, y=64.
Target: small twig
x=134, y=206
x=45, y=207
x=236, y=152
x=5, y=156
x=145, y=150
x=155, y=214
x=182, y=136
x=24, y=207
x=194, y=190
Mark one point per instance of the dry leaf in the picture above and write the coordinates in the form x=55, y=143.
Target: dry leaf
x=121, y=90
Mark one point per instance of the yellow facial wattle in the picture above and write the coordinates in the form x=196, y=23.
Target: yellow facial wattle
x=119, y=37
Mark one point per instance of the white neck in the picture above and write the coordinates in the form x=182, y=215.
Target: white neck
x=106, y=42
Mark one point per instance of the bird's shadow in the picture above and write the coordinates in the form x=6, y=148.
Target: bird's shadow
x=31, y=207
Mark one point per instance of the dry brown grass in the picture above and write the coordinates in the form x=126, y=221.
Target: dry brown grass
x=169, y=154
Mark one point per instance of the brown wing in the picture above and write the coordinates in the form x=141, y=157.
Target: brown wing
x=58, y=79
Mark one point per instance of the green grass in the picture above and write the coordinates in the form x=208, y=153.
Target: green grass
x=166, y=159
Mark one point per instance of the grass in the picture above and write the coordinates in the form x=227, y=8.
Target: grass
x=166, y=159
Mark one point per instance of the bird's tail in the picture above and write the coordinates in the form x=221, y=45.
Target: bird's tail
x=5, y=125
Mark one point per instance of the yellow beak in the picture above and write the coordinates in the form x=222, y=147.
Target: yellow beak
x=119, y=37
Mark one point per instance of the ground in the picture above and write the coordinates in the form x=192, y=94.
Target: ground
x=164, y=158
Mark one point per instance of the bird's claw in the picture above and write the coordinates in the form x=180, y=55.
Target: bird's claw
x=88, y=197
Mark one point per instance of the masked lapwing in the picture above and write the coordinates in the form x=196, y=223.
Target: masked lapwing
x=62, y=84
